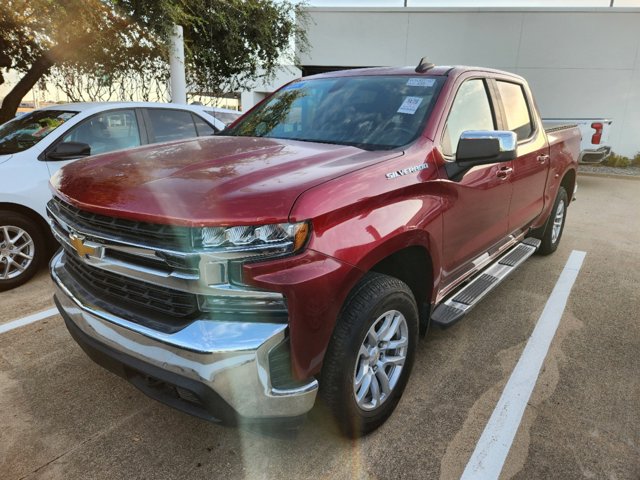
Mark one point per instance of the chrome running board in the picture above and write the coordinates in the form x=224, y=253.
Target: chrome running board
x=456, y=306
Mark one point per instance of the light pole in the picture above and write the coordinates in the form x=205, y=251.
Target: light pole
x=176, y=66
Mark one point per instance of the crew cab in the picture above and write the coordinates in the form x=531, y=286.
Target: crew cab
x=304, y=251
x=36, y=144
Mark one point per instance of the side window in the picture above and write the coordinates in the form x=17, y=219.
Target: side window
x=471, y=110
x=167, y=125
x=107, y=131
x=515, y=109
x=203, y=127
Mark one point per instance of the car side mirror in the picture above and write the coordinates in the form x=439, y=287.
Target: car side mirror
x=69, y=151
x=479, y=147
x=482, y=147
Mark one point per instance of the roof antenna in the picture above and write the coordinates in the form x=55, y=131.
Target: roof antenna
x=424, y=65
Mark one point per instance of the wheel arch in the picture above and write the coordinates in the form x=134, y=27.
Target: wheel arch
x=33, y=215
x=569, y=182
x=412, y=265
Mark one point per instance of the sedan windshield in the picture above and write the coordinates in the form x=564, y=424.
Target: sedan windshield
x=25, y=131
x=369, y=112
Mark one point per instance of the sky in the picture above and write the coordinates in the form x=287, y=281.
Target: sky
x=473, y=3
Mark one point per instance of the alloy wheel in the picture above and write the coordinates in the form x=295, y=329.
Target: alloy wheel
x=380, y=360
x=17, y=250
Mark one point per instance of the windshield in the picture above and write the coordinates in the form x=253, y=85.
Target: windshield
x=27, y=130
x=370, y=112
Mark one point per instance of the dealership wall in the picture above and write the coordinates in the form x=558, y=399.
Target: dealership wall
x=581, y=63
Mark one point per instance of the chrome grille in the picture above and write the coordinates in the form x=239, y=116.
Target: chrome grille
x=146, y=296
x=152, y=234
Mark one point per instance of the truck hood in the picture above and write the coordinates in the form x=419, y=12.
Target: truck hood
x=207, y=181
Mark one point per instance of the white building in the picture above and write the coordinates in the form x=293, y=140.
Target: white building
x=580, y=62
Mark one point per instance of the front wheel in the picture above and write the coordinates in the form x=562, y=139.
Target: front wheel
x=22, y=249
x=370, y=355
x=555, y=224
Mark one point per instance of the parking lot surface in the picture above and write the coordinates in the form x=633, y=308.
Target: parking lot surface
x=63, y=417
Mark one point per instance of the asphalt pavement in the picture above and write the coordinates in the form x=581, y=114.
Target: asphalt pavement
x=63, y=417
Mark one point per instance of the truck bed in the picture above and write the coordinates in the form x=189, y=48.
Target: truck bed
x=554, y=127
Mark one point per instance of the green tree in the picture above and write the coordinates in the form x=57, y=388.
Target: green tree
x=228, y=43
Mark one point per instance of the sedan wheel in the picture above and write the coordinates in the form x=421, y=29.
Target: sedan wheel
x=16, y=251
x=22, y=249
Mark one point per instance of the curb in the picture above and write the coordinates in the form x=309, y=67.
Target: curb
x=608, y=175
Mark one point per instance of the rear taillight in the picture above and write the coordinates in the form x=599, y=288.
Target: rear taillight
x=597, y=136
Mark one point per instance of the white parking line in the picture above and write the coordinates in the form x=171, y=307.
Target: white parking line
x=27, y=320
x=488, y=458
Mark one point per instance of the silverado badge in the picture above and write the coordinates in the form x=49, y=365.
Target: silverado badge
x=406, y=171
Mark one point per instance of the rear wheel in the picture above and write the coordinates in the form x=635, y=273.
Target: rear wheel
x=370, y=355
x=555, y=224
x=22, y=249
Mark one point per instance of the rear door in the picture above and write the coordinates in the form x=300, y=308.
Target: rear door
x=530, y=168
x=167, y=124
x=475, y=218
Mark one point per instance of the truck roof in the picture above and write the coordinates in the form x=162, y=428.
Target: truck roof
x=86, y=106
x=436, y=71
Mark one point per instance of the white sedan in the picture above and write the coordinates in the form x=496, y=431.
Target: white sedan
x=35, y=145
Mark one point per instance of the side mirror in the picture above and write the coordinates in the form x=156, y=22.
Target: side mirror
x=69, y=151
x=478, y=147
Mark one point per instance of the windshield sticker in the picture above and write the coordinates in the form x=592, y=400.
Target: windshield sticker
x=410, y=105
x=66, y=115
x=421, y=82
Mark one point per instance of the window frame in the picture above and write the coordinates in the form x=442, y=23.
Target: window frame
x=496, y=113
x=149, y=124
x=528, y=103
x=142, y=132
x=213, y=127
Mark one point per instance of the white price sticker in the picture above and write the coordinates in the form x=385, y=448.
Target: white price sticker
x=410, y=105
x=421, y=82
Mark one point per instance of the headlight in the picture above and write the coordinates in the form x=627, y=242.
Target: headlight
x=280, y=237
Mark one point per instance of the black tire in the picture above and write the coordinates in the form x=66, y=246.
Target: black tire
x=10, y=274
x=550, y=240
x=372, y=297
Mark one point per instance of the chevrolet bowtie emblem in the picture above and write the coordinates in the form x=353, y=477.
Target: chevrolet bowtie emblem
x=80, y=247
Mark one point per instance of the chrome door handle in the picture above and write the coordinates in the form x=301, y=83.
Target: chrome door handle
x=504, y=172
x=543, y=158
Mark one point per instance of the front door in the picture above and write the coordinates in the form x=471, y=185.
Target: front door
x=104, y=132
x=476, y=206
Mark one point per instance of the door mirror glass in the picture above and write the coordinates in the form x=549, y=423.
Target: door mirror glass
x=478, y=147
x=69, y=151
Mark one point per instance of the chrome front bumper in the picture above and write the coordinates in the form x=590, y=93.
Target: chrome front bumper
x=229, y=358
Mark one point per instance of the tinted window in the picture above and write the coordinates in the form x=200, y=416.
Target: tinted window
x=28, y=129
x=167, y=125
x=107, y=131
x=203, y=127
x=471, y=110
x=225, y=117
x=369, y=112
x=515, y=109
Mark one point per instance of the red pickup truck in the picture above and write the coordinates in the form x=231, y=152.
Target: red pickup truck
x=305, y=250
